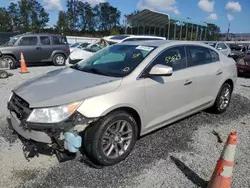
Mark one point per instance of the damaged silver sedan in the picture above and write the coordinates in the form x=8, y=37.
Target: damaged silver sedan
x=102, y=105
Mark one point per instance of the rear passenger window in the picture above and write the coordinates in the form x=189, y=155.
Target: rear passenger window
x=198, y=56
x=173, y=57
x=28, y=41
x=214, y=56
x=221, y=46
x=59, y=40
x=45, y=40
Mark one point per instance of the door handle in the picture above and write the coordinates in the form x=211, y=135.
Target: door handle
x=188, y=82
x=38, y=48
x=219, y=72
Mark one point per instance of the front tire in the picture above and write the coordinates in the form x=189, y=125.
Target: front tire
x=59, y=60
x=10, y=60
x=223, y=99
x=111, y=139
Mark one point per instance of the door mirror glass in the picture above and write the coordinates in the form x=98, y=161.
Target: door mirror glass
x=161, y=70
x=219, y=48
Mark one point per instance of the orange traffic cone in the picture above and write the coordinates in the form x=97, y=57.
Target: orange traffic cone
x=23, y=65
x=222, y=175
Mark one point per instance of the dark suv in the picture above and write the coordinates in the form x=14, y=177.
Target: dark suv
x=36, y=48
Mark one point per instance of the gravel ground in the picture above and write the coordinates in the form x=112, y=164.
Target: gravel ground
x=180, y=155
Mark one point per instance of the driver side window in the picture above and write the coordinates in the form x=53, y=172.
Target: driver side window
x=173, y=57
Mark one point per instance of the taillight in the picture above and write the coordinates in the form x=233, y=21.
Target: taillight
x=67, y=50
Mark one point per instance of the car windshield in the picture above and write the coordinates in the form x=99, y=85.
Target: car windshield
x=115, y=60
x=100, y=44
x=74, y=45
x=12, y=41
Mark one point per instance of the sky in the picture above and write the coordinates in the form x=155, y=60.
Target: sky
x=219, y=12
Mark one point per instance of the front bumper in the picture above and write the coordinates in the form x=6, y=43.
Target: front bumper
x=16, y=125
x=72, y=61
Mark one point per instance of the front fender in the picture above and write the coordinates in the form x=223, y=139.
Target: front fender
x=9, y=52
x=103, y=104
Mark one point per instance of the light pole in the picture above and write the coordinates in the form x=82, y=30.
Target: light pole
x=187, y=28
x=205, y=31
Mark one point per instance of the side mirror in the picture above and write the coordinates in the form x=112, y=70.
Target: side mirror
x=219, y=48
x=1, y=54
x=160, y=70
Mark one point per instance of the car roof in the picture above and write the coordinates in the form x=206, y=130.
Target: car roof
x=37, y=34
x=158, y=43
x=110, y=39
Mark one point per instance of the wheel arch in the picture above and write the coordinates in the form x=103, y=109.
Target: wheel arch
x=9, y=54
x=58, y=52
x=132, y=112
x=230, y=82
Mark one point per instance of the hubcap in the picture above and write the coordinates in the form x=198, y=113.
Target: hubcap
x=59, y=60
x=117, y=139
x=224, y=98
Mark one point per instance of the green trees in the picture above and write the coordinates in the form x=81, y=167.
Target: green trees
x=80, y=17
x=25, y=15
x=4, y=20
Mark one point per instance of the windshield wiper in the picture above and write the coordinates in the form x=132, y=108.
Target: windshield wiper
x=94, y=70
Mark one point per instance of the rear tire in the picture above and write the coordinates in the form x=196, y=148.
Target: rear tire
x=223, y=99
x=59, y=60
x=11, y=60
x=111, y=139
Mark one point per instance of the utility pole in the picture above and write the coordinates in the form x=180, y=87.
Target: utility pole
x=228, y=31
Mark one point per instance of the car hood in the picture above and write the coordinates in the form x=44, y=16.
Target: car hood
x=64, y=86
x=80, y=54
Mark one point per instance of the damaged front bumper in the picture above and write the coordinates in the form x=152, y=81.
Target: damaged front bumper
x=64, y=138
x=29, y=134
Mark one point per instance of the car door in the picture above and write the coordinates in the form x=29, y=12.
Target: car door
x=207, y=70
x=27, y=45
x=169, y=98
x=44, y=47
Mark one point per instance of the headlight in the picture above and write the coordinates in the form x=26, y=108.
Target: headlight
x=53, y=114
x=10, y=96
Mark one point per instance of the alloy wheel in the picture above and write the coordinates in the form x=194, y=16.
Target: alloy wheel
x=117, y=139
x=224, y=98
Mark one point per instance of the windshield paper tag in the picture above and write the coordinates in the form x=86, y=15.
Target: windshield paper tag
x=146, y=48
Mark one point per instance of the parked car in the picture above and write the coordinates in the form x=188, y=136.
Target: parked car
x=243, y=65
x=37, y=48
x=105, y=103
x=221, y=46
x=125, y=38
x=84, y=53
x=81, y=45
x=81, y=54
x=238, y=51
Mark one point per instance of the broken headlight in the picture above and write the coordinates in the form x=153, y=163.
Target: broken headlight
x=53, y=114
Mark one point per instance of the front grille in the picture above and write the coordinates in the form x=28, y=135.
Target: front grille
x=20, y=107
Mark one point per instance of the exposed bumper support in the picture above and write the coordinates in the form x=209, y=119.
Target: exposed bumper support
x=15, y=124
